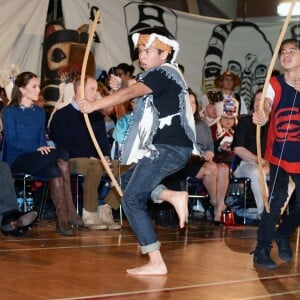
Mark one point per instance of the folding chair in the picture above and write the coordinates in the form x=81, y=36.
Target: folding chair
x=196, y=191
x=238, y=181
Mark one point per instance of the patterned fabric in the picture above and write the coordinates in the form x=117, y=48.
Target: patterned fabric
x=284, y=135
x=146, y=119
x=27, y=123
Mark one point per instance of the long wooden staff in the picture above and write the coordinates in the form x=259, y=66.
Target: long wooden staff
x=261, y=105
x=86, y=117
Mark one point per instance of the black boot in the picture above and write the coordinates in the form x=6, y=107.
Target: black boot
x=17, y=223
x=261, y=258
x=284, y=248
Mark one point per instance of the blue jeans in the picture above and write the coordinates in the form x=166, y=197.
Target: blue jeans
x=138, y=183
x=266, y=229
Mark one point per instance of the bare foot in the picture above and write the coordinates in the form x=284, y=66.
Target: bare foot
x=149, y=269
x=179, y=199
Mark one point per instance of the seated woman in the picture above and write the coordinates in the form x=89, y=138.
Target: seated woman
x=214, y=176
x=223, y=139
x=26, y=151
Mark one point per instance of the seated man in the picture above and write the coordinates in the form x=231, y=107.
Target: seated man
x=12, y=220
x=68, y=130
x=244, y=146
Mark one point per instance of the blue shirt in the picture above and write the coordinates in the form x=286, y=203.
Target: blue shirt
x=24, y=131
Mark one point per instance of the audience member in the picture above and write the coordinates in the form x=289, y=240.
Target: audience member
x=227, y=83
x=26, y=151
x=125, y=72
x=212, y=109
x=223, y=138
x=3, y=98
x=12, y=220
x=215, y=177
x=244, y=146
x=69, y=131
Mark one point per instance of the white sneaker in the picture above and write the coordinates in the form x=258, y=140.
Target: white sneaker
x=92, y=220
x=105, y=215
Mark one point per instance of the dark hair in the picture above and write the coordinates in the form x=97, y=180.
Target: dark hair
x=253, y=98
x=214, y=96
x=21, y=81
x=288, y=41
x=158, y=30
x=197, y=116
x=161, y=31
x=181, y=68
x=126, y=68
x=2, y=90
x=111, y=70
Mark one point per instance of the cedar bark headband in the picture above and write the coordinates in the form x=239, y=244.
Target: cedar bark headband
x=157, y=41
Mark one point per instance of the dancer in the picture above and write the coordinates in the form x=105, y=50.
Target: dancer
x=282, y=152
x=159, y=140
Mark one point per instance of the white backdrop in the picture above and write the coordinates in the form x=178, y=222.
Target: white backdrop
x=22, y=24
x=208, y=46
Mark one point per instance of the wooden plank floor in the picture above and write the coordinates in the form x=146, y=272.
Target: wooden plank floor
x=205, y=262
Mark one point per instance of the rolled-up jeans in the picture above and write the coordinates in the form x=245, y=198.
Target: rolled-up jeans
x=139, y=181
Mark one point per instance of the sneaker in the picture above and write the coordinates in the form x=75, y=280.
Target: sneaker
x=261, y=258
x=92, y=220
x=284, y=248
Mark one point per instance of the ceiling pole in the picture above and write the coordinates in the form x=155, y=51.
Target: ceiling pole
x=192, y=6
x=244, y=9
x=55, y=9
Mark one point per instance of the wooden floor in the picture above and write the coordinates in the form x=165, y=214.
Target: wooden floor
x=204, y=261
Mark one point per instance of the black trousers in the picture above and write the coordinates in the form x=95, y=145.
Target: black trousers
x=278, y=192
x=37, y=164
x=8, y=199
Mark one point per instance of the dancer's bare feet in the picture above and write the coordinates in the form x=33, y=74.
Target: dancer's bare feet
x=148, y=269
x=179, y=199
x=155, y=266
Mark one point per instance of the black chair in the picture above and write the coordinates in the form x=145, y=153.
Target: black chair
x=75, y=178
x=239, y=187
x=26, y=180
x=196, y=191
